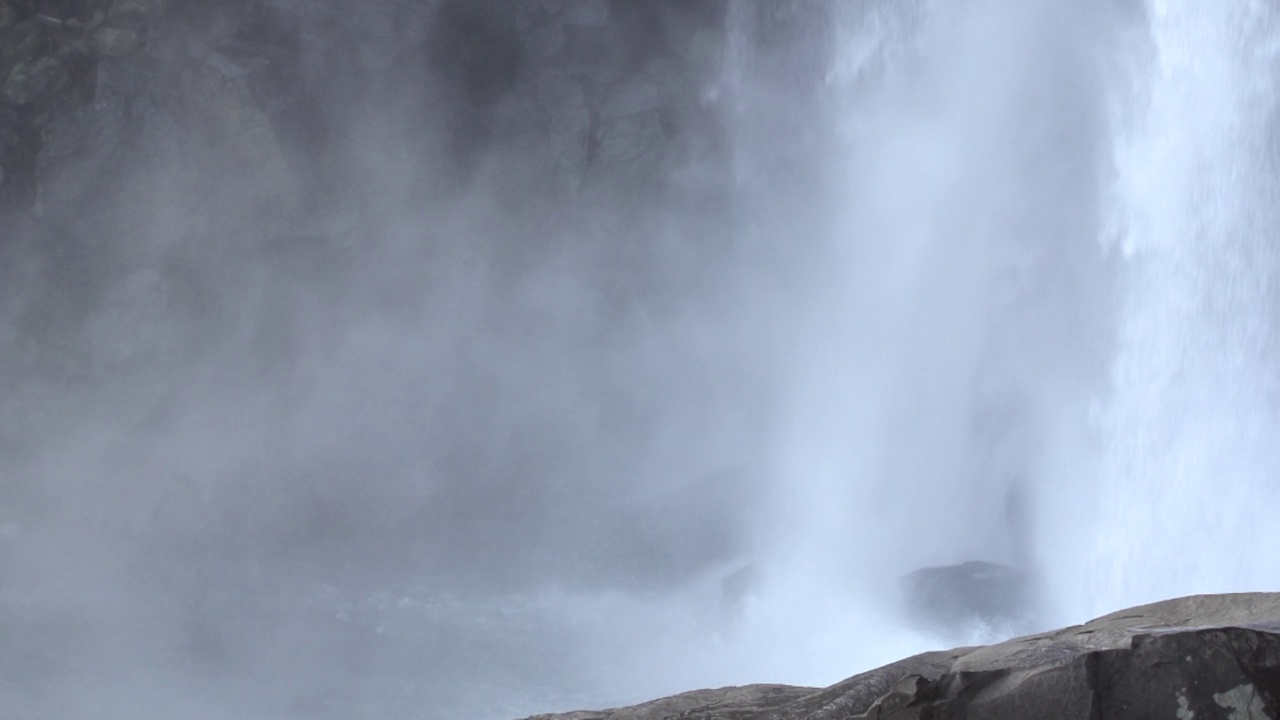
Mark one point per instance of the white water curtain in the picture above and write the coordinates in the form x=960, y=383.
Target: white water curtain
x=1041, y=322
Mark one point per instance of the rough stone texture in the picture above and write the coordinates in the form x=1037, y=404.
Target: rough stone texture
x=726, y=703
x=242, y=121
x=597, y=94
x=48, y=55
x=1204, y=656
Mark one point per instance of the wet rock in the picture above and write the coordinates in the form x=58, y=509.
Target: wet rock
x=36, y=81
x=45, y=75
x=729, y=702
x=19, y=44
x=8, y=13
x=957, y=600
x=97, y=97
x=115, y=42
x=1204, y=656
x=17, y=161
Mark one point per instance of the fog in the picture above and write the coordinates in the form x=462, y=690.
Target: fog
x=417, y=362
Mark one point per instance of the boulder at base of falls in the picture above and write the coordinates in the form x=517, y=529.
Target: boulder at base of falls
x=954, y=601
x=1203, y=657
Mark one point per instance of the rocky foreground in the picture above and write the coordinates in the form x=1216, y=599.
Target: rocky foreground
x=1198, y=657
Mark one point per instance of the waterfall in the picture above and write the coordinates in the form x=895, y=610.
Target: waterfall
x=1189, y=481
x=1039, y=276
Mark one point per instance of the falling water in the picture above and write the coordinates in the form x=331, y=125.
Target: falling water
x=1188, y=486
x=1044, y=261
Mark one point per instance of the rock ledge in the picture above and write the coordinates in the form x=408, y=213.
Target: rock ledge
x=1191, y=658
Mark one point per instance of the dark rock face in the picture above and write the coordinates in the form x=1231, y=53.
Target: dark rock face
x=49, y=52
x=1205, y=656
x=601, y=93
x=954, y=599
x=188, y=184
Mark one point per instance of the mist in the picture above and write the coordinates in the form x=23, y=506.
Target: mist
x=477, y=359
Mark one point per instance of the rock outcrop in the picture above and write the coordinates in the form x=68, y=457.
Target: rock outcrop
x=1204, y=656
x=181, y=140
x=602, y=94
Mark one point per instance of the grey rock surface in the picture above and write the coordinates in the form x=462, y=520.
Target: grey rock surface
x=953, y=600
x=1203, y=656
x=727, y=702
x=244, y=110
x=625, y=83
